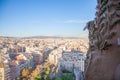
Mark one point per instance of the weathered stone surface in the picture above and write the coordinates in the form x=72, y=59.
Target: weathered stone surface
x=105, y=54
x=117, y=73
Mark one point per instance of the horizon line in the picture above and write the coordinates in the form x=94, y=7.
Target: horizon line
x=43, y=36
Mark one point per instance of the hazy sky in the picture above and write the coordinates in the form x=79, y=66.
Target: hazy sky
x=20, y=18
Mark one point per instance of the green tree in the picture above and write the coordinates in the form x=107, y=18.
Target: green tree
x=58, y=78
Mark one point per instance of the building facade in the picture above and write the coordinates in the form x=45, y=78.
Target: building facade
x=71, y=60
x=4, y=72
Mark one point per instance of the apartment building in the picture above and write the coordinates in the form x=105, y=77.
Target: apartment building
x=4, y=71
x=55, y=55
x=71, y=60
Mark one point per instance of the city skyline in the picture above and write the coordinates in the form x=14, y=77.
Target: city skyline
x=63, y=18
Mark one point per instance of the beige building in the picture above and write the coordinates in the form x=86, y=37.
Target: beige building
x=1, y=73
x=4, y=72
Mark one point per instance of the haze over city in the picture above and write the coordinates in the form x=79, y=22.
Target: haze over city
x=64, y=18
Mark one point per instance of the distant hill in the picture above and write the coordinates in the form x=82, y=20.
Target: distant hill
x=42, y=37
x=8, y=37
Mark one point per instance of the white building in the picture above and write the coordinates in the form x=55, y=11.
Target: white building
x=71, y=60
x=78, y=74
x=55, y=55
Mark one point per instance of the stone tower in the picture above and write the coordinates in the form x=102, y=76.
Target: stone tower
x=103, y=58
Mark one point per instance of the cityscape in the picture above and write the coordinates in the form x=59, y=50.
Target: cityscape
x=59, y=40
x=28, y=59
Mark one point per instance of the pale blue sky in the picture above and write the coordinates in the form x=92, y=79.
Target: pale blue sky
x=21, y=18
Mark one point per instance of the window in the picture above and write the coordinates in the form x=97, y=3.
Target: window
x=119, y=41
